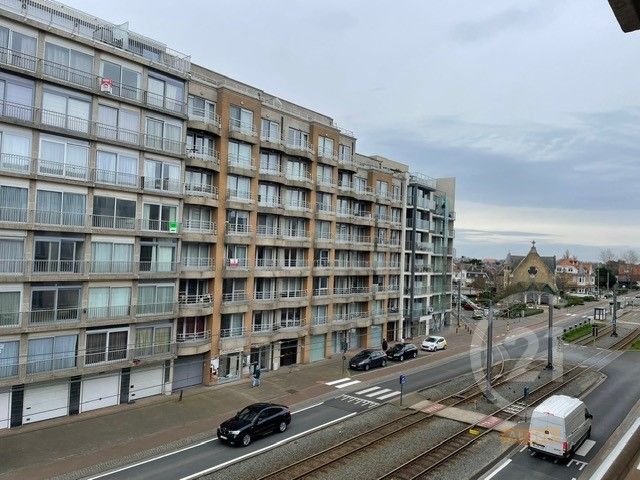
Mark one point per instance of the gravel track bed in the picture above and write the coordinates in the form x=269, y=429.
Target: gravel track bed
x=608, y=341
x=307, y=445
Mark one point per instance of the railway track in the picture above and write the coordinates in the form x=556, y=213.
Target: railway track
x=603, y=331
x=627, y=340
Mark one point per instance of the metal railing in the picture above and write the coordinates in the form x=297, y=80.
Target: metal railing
x=302, y=146
x=246, y=128
x=238, y=228
x=197, y=263
x=236, y=262
x=201, y=190
x=199, y=226
x=239, y=195
x=237, y=296
x=210, y=155
x=328, y=154
x=265, y=295
x=351, y=264
x=157, y=267
x=204, y=115
x=292, y=294
x=188, y=299
x=193, y=337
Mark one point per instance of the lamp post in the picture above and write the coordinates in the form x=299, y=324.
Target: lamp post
x=614, y=320
x=550, y=334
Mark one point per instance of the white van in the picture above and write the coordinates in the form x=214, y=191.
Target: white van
x=558, y=426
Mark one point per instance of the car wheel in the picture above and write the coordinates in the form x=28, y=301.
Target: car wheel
x=246, y=440
x=384, y=363
x=366, y=367
x=415, y=354
x=282, y=426
x=402, y=358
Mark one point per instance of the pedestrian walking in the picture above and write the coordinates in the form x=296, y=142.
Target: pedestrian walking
x=385, y=345
x=255, y=381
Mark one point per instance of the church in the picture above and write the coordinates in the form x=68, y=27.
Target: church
x=531, y=274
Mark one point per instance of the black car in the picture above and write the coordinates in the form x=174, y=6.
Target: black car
x=402, y=351
x=367, y=359
x=254, y=421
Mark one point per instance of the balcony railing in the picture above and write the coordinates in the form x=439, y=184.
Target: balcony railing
x=301, y=176
x=112, y=311
x=246, y=128
x=199, y=226
x=324, y=208
x=205, y=154
x=268, y=201
x=201, y=190
x=325, y=181
x=157, y=267
x=239, y=195
x=197, y=263
x=60, y=315
x=300, y=205
x=205, y=115
x=236, y=263
x=234, y=297
x=241, y=162
x=328, y=154
x=238, y=228
x=351, y=264
x=292, y=294
x=265, y=295
x=194, y=337
x=320, y=292
x=302, y=146
x=188, y=299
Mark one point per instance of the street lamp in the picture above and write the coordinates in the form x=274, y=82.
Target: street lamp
x=614, y=320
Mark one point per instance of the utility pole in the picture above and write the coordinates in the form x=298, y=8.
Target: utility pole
x=550, y=334
x=488, y=393
x=614, y=321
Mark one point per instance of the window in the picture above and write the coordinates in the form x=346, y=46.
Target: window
x=291, y=287
x=297, y=169
x=15, y=152
x=360, y=184
x=67, y=110
x=396, y=192
x=263, y=321
x=264, y=289
x=234, y=289
x=238, y=221
x=396, y=215
x=232, y=325
x=294, y=227
x=321, y=258
x=160, y=217
x=155, y=299
x=118, y=124
x=296, y=198
x=239, y=187
x=157, y=256
x=236, y=255
x=55, y=304
x=57, y=255
x=270, y=130
x=381, y=212
x=69, y=65
x=159, y=175
x=344, y=179
x=320, y=286
x=298, y=138
x=196, y=255
x=13, y=204
x=9, y=351
x=164, y=92
x=109, y=302
x=192, y=328
x=199, y=182
x=153, y=340
x=17, y=49
x=324, y=201
x=110, y=212
x=63, y=157
x=290, y=317
x=60, y=208
x=52, y=353
x=269, y=162
x=325, y=174
x=325, y=147
x=116, y=169
x=266, y=257
x=194, y=291
x=323, y=229
x=200, y=146
x=106, y=345
x=107, y=257
x=382, y=188
x=240, y=154
x=126, y=82
x=196, y=218
x=344, y=153
x=164, y=135
x=241, y=119
x=10, y=309
x=202, y=109
x=16, y=97
x=320, y=314
x=268, y=194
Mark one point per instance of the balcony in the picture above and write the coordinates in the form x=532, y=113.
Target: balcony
x=193, y=343
x=327, y=154
x=419, y=246
x=346, y=161
x=194, y=299
x=205, y=115
x=321, y=292
x=235, y=297
x=352, y=264
x=205, y=227
x=419, y=223
x=326, y=182
x=299, y=176
x=239, y=196
x=296, y=205
x=238, y=229
x=236, y=263
x=206, y=155
x=269, y=201
x=148, y=267
x=325, y=208
x=56, y=316
x=197, y=264
x=245, y=128
x=201, y=190
x=292, y=294
x=265, y=296
x=243, y=163
x=301, y=146
x=274, y=141
x=232, y=339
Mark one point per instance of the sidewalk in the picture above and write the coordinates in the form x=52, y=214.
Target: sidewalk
x=124, y=434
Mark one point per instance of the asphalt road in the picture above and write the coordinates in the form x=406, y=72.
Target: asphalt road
x=206, y=457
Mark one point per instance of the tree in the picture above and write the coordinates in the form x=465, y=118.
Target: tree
x=566, y=255
x=564, y=281
x=630, y=257
x=607, y=256
x=601, y=276
x=479, y=283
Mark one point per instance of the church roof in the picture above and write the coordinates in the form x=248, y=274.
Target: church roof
x=514, y=260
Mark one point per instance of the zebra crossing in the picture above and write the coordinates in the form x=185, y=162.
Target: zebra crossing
x=516, y=408
x=370, y=393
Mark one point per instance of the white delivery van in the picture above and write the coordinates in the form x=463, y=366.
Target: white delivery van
x=558, y=426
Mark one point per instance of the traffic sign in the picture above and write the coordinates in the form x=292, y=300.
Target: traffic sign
x=403, y=379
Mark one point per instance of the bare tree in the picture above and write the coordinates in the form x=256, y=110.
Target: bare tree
x=607, y=255
x=567, y=255
x=630, y=257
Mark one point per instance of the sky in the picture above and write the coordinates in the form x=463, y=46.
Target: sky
x=531, y=104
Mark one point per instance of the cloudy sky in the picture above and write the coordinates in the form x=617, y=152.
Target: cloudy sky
x=531, y=104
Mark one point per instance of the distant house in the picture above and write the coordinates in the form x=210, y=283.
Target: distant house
x=628, y=273
x=532, y=274
x=574, y=276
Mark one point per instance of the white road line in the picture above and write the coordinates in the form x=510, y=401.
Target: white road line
x=338, y=381
x=638, y=467
x=153, y=459
x=388, y=395
x=348, y=384
x=495, y=472
x=367, y=390
x=585, y=447
x=613, y=455
x=256, y=452
x=523, y=449
x=379, y=392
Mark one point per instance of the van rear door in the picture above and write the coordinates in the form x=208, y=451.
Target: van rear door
x=546, y=434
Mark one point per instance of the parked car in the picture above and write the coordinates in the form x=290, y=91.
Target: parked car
x=467, y=306
x=559, y=425
x=477, y=314
x=367, y=359
x=253, y=421
x=431, y=344
x=402, y=351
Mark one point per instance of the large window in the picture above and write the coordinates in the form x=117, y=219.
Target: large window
x=116, y=169
x=67, y=110
x=298, y=138
x=239, y=187
x=108, y=257
x=106, y=345
x=325, y=174
x=325, y=147
x=118, y=124
x=60, y=208
x=55, y=304
x=202, y=109
x=263, y=321
x=164, y=92
x=159, y=175
x=17, y=49
x=126, y=82
x=164, y=135
x=344, y=152
x=68, y=64
x=16, y=97
x=240, y=154
x=111, y=212
x=297, y=169
x=52, y=353
x=9, y=351
x=160, y=217
x=269, y=162
x=153, y=340
x=199, y=182
x=155, y=299
x=291, y=317
x=270, y=130
x=268, y=194
x=197, y=218
x=10, y=302
x=236, y=255
x=15, y=152
x=232, y=325
x=200, y=146
x=13, y=203
x=241, y=119
x=195, y=255
x=157, y=255
x=109, y=302
x=57, y=255
x=237, y=221
x=63, y=157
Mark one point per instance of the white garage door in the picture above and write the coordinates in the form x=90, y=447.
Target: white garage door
x=99, y=392
x=5, y=409
x=147, y=382
x=47, y=401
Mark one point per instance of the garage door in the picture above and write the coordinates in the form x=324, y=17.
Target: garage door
x=145, y=383
x=5, y=409
x=187, y=371
x=376, y=336
x=46, y=401
x=317, y=347
x=99, y=392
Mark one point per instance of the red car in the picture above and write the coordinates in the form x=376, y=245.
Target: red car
x=467, y=306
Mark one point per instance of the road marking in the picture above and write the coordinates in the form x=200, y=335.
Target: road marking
x=348, y=384
x=361, y=392
x=585, y=447
x=153, y=459
x=358, y=401
x=388, y=395
x=613, y=455
x=380, y=392
x=523, y=449
x=638, y=467
x=270, y=447
x=338, y=381
x=495, y=472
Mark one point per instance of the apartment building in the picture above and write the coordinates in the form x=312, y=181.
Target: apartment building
x=163, y=226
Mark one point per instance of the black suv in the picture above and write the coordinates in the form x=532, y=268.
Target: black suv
x=402, y=351
x=253, y=421
x=367, y=359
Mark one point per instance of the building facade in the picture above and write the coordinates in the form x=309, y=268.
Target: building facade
x=163, y=226
x=574, y=276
